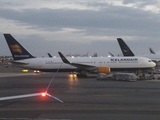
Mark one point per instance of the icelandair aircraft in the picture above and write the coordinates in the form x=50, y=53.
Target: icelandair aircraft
x=82, y=65
x=107, y=64
x=128, y=52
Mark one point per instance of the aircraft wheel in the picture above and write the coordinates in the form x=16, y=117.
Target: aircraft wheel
x=81, y=75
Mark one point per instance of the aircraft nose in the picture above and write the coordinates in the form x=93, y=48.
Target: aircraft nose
x=153, y=64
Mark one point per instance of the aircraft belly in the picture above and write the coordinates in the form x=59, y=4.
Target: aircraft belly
x=54, y=67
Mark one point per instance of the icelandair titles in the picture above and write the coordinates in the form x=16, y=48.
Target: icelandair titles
x=21, y=55
x=124, y=60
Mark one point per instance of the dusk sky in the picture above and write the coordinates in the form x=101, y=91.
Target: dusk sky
x=79, y=26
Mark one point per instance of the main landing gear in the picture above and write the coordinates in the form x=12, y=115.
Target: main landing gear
x=79, y=75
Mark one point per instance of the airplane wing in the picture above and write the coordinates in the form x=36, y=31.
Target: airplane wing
x=34, y=94
x=78, y=65
x=30, y=95
x=82, y=67
x=20, y=96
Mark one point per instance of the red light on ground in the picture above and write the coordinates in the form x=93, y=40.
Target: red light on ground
x=43, y=94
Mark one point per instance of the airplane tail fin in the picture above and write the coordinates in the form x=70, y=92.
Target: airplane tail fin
x=17, y=50
x=63, y=58
x=124, y=47
x=49, y=55
x=152, y=51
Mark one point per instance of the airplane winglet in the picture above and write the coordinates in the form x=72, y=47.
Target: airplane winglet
x=49, y=55
x=64, y=59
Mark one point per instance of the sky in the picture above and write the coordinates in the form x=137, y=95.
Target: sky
x=80, y=26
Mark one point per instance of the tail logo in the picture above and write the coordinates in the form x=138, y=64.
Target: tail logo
x=126, y=50
x=16, y=48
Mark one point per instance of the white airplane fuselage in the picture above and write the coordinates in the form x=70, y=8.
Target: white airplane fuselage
x=114, y=63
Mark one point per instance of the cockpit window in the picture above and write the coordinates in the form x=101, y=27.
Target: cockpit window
x=149, y=61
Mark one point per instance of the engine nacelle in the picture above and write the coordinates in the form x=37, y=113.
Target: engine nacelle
x=105, y=70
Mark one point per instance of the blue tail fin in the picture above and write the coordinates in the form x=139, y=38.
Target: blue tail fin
x=49, y=55
x=152, y=51
x=124, y=47
x=17, y=50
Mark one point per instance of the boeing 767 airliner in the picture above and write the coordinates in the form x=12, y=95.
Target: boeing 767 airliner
x=82, y=65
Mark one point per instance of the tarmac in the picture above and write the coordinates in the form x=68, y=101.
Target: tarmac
x=84, y=98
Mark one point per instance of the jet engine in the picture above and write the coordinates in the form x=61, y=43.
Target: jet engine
x=105, y=70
